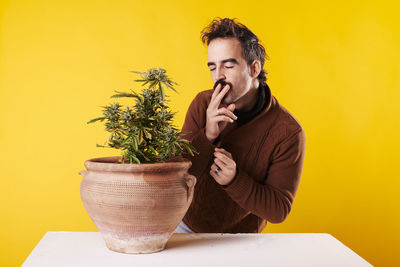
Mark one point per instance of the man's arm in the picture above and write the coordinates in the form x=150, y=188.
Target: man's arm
x=203, y=123
x=194, y=131
x=273, y=200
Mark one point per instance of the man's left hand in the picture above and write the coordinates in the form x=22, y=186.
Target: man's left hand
x=224, y=167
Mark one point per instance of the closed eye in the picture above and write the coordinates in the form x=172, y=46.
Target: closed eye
x=228, y=67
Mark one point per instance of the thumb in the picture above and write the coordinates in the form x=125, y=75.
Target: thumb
x=231, y=107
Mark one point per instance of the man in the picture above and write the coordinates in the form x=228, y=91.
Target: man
x=251, y=149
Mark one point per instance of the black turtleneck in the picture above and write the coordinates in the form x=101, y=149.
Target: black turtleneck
x=264, y=94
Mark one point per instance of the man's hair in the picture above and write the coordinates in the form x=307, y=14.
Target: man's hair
x=251, y=46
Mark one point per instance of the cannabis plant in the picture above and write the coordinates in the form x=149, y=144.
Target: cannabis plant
x=144, y=132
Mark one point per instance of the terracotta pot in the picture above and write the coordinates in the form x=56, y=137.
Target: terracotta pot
x=136, y=207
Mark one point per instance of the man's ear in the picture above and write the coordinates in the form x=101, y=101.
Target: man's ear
x=255, y=68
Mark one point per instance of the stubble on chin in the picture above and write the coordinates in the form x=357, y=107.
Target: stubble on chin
x=227, y=100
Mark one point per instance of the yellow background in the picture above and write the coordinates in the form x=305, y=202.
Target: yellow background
x=334, y=65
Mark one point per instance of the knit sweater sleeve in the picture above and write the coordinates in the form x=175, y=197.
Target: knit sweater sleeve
x=194, y=131
x=273, y=200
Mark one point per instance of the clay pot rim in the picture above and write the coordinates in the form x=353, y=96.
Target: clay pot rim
x=111, y=164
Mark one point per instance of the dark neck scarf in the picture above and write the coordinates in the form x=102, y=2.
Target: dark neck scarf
x=264, y=94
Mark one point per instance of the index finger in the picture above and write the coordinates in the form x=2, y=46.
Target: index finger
x=216, y=91
x=223, y=151
x=218, y=98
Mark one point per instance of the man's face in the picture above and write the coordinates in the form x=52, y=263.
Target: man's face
x=226, y=62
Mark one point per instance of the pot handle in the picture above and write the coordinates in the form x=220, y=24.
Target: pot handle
x=83, y=173
x=190, y=182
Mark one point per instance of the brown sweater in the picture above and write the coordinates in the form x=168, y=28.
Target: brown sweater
x=269, y=155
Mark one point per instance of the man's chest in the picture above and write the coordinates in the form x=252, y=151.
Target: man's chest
x=251, y=148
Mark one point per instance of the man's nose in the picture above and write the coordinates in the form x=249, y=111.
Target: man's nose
x=220, y=74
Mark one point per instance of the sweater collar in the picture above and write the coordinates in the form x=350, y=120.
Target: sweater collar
x=263, y=101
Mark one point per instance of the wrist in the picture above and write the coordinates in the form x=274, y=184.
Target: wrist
x=233, y=180
x=210, y=138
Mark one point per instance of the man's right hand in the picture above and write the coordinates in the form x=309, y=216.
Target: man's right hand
x=218, y=118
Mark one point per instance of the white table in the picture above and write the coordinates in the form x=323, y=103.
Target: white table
x=88, y=249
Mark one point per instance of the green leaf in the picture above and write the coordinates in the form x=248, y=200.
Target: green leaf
x=188, y=148
x=171, y=82
x=162, y=94
x=135, y=143
x=170, y=87
x=123, y=94
x=161, y=90
x=141, y=73
x=136, y=159
x=97, y=119
x=140, y=138
x=152, y=84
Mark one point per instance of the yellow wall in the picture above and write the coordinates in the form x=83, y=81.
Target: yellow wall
x=334, y=65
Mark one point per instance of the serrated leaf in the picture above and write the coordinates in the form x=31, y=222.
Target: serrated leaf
x=136, y=159
x=169, y=86
x=188, y=148
x=171, y=82
x=140, y=137
x=135, y=143
x=152, y=84
x=96, y=119
x=141, y=73
x=123, y=94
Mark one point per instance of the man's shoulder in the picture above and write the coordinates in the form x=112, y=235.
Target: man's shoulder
x=286, y=124
x=203, y=98
x=204, y=95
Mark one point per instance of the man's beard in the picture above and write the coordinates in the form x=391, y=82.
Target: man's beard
x=223, y=83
